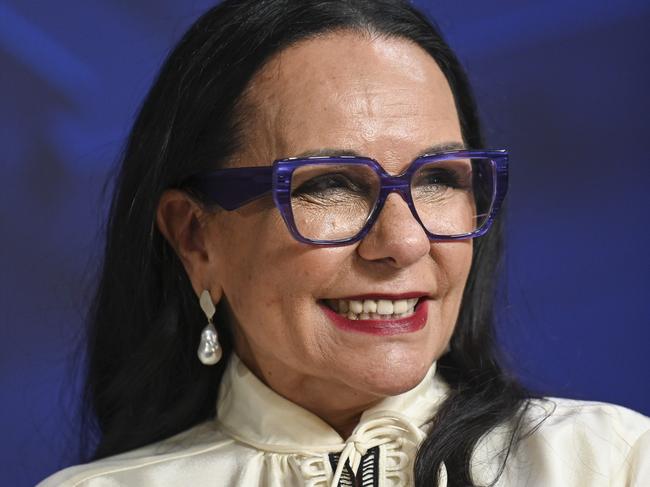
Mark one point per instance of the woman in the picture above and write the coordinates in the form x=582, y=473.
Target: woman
x=344, y=313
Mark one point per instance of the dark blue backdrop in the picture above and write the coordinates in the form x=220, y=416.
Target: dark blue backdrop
x=562, y=84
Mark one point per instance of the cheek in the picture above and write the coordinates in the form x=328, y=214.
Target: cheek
x=248, y=259
x=454, y=260
x=264, y=270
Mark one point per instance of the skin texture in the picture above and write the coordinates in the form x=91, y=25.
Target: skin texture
x=346, y=91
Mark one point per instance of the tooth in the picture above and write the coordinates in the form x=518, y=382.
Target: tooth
x=384, y=307
x=400, y=306
x=356, y=307
x=412, y=302
x=343, y=306
x=369, y=306
x=364, y=316
x=374, y=316
x=352, y=316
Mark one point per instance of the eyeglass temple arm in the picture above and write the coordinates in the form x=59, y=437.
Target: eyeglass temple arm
x=233, y=188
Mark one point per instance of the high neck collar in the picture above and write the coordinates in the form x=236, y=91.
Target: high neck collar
x=251, y=412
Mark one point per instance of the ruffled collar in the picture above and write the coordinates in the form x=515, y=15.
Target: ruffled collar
x=252, y=413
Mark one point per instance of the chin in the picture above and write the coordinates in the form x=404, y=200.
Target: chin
x=390, y=372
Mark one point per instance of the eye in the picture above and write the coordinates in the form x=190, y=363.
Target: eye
x=325, y=184
x=437, y=178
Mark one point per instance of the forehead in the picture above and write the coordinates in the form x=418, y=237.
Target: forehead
x=383, y=98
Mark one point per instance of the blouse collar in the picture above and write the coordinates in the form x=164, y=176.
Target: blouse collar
x=252, y=413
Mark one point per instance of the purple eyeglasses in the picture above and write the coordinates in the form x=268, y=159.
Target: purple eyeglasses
x=453, y=195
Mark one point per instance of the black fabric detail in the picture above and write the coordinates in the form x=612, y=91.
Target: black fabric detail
x=367, y=475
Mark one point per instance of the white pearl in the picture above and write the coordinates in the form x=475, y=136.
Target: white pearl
x=209, y=351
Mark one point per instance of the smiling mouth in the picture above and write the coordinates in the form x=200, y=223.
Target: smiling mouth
x=373, y=309
x=377, y=315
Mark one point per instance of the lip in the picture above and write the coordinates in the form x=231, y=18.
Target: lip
x=394, y=326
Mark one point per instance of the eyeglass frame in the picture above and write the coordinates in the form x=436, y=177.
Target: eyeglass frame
x=232, y=188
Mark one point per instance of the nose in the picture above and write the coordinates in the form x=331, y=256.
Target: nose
x=396, y=237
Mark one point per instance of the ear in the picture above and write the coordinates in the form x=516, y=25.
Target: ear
x=184, y=224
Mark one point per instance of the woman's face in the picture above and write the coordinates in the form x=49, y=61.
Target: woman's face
x=381, y=98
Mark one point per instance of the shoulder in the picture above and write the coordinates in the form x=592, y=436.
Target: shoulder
x=556, y=415
x=155, y=464
x=584, y=440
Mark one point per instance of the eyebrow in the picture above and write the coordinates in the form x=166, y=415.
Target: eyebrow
x=330, y=151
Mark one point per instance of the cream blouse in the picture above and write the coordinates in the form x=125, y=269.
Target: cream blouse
x=262, y=439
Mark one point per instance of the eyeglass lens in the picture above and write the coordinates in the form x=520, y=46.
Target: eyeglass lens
x=334, y=201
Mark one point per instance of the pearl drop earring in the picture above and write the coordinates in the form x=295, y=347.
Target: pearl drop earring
x=209, y=351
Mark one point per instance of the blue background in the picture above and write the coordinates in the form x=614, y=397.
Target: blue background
x=562, y=84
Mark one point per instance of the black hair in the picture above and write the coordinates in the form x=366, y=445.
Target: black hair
x=144, y=381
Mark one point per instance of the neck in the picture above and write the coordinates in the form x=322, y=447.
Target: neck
x=335, y=403
x=342, y=420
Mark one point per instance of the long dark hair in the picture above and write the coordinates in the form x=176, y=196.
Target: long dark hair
x=144, y=382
